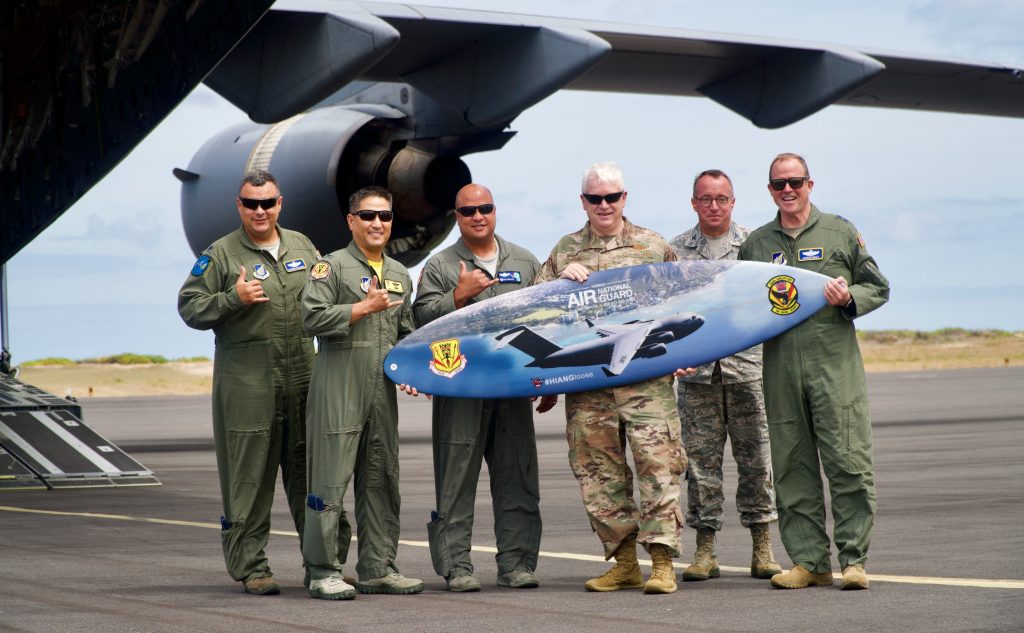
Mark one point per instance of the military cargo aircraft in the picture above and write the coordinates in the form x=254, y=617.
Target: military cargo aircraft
x=343, y=94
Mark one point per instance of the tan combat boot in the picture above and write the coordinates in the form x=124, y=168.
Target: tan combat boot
x=798, y=578
x=705, y=564
x=854, y=578
x=625, y=574
x=663, y=577
x=762, y=564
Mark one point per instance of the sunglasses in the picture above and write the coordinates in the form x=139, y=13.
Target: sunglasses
x=778, y=184
x=367, y=215
x=596, y=198
x=468, y=212
x=252, y=203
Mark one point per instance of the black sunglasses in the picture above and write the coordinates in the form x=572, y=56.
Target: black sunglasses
x=252, y=203
x=367, y=215
x=470, y=211
x=778, y=184
x=596, y=198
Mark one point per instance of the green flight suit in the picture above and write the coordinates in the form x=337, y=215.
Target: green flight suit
x=816, y=396
x=467, y=430
x=261, y=372
x=352, y=414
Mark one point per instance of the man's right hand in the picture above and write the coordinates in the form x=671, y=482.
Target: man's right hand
x=377, y=299
x=471, y=283
x=575, y=271
x=249, y=292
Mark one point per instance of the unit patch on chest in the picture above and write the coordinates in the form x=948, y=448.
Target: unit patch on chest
x=394, y=286
x=259, y=271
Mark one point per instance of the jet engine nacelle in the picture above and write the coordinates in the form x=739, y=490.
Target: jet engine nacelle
x=319, y=159
x=652, y=351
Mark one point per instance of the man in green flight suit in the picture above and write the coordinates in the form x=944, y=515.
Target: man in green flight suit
x=261, y=371
x=358, y=303
x=814, y=384
x=479, y=266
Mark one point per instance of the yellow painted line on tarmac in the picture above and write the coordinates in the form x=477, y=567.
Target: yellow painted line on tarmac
x=980, y=583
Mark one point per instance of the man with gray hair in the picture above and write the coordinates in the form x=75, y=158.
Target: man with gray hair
x=599, y=423
x=724, y=399
x=245, y=287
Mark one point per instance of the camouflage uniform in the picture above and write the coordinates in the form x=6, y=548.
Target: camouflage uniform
x=598, y=423
x=724, y=398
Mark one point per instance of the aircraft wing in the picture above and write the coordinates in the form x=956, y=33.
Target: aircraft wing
x=626, y=345
x=491, y=66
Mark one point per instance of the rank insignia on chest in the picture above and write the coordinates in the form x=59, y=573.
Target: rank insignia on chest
x=364, y=284
x=295, y=264
x=810, y=254
x=394, y=286
x=201, y=265
x=779, y=258
x=320, y=271
x=259, y=271
x=510, y=277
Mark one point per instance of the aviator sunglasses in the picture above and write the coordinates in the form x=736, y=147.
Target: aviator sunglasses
x=470, y=211
x=596, y=198
x=265, y=203
x=366, y=215
x=778, y=184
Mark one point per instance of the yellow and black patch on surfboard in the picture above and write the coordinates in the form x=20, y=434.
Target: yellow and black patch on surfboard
x=782, y=294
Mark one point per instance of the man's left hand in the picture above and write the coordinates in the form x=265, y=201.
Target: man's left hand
x=836, y=292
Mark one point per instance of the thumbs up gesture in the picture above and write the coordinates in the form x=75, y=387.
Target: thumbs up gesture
x=249, y=292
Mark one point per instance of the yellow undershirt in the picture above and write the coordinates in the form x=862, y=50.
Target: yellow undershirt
x=378, y=267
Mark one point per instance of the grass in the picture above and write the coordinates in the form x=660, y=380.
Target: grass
x=149, y=375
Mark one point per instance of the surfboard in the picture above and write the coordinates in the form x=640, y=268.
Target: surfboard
x=621, y=326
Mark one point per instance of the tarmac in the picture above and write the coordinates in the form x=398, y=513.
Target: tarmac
x=947, y=554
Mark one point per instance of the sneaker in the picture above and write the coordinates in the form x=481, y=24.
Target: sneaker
x=307, y=577
x=261, y=586
x=854, y=578
x=518, y=579
x=393, y=583
x=333, y=587
x=463, y=584
x=798, y=578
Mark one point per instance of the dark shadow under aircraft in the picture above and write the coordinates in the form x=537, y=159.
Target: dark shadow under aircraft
x=615, y=347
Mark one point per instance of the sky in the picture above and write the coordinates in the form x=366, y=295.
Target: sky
x=939, y=198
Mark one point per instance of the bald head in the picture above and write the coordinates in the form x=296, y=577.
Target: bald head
x=473, y=191
x=478, y=227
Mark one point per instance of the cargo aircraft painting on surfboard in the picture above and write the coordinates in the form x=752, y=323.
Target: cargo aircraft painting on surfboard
x=621, y=326
x=616, y=346
x=344, y=94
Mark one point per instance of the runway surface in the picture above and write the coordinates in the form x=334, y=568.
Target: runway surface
x=947, y=555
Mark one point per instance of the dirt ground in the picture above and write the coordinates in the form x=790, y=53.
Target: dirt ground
x=909, y=352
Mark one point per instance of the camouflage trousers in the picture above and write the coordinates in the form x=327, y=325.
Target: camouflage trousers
x=598, y=426
x=709, y=414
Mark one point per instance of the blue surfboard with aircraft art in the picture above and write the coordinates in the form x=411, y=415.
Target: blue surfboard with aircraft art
x=621, y=326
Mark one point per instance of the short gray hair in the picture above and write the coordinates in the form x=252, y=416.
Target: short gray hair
x=603, y=172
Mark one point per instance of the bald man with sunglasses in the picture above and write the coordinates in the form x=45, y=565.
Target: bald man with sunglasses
x=245, y=287
x=478, y=266
x=814, y=386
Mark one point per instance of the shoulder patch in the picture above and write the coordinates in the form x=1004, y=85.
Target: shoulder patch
x=199, y=268
x=320, y=270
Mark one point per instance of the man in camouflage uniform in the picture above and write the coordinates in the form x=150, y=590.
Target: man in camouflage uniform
x=261, y=371
x=598, y=423
x=814, y=385
x=478, y=266
x=358, y=303
x=724, y=399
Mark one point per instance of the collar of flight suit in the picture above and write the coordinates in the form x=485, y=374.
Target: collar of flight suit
x=812, y=219
x=465, y=253
x=246, y=241
x=354, y=251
